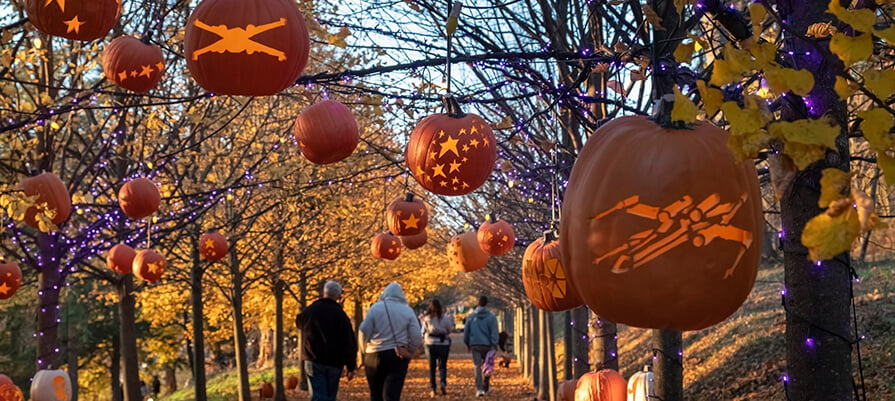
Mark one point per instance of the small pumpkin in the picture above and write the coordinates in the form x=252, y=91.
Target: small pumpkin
x=465, y=254
x=213, y=245
x=149, y=265
x=74, y=19
x=496, y=237
x=451, y=153
x=291, y=383
x=407, y=216
x=415, y=241
x=326, y=132
x=10, y=278
x=133, y=64
x=121, y=259
x=640, y=386
x=544, y=278
x=266, y=390
x=386, y=246
x=52, y=198
x=51, y=385
x=602, y=385
x=139, y=198
x=10, y=392
x=565, y=391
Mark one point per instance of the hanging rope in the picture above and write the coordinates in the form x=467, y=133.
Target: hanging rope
x=451, y=27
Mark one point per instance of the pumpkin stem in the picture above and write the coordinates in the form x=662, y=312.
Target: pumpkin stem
x=408, y=197
x=452, y=107
x=147, y=37
x=493, y=217
x=549, y=236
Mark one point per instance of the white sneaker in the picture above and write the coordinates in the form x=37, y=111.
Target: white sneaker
x=480, y=393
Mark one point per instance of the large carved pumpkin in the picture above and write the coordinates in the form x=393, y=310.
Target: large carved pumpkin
x=544, y=278
x=407, y=216
x=246, y=47
x=121, y=259
x=139, y=198
x=52, y=198
x=133, y=64
x=496, y=237
x=149, y=265
x=602, y=385
x=10, y=278
x=74, y=19
x=451, y=153
x=415, y=241
x=386, y=246
x=565, y=391
x=465, y=254
x=660, y=227
x=51, y=385
x=640, y=386
x=213, y=245
x=326, y=132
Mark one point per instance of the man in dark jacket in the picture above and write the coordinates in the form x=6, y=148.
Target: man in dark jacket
x=328, y=343
x=480, y=335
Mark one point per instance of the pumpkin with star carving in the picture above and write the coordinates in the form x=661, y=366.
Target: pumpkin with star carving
x=386, y=246
x=213, y=245
x=53, y=201
x=121, y=259
x=149, y=265
x=74, y=19
x=496, y=237
x=10, y=278
x=407, y=216
x=464, y=253
x=544, y=278
x=133, y=64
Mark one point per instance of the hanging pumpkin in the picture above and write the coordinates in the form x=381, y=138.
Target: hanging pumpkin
x=407, y=216
x=4, y=379
x=451, y=153
x=51, y=385
x=53, y=199
x=544, y=278
x=465, y=254
x=386, y=246
x=326, y=132
x=74, y=19
x=415, y=241
x=640, y=386
x=121, y=259
x=496, y=237
x=291, y=383
x=213, y=245
x=149, y=265
x=10, y=392
x=10, y=278
x=139, y=198
x=565, y=391
x=661, y=227
x=133, y=64
x=266, y=390
x=602, y=385
x=258, y=50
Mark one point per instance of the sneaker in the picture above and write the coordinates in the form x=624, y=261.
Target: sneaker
x=433, y=394
x=480, y=393
x=443, y=390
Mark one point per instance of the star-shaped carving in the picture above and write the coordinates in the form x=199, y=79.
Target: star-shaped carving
x=443, y=183
x=61, y=4
x=411, y=222
x=462, y=131
x=465, y=148
x=485, y=142
x=122, y=75
x=449, y=145
x=74, y=25
x=455, y=166
x=146, y=70
x=432, y=155
x=5, y=289
x=438, y=170
x=474, y=143
x=420, y=172
x=160, y=66
x=156, y=267
x=134, y=73
x=441, y=134
x=465, y=185
x=465, y=159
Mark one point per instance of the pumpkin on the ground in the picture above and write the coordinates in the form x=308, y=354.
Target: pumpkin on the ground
x=291, y=383
x=53, y=199
x=149, y=265
x=565, y=391
x=640, y=386
x=602, y=385
x=139, y=198
x=465, y=254
x=326, y=132
x=544, y=278
x=266, y=390
x=74, y=19
x=121, y=259
x=415, y=241
x=213, y=245
x=10, y=278
x=51, y=385
x=133, y=64
x=407, y=216
x=496, y=237
x=386, y=246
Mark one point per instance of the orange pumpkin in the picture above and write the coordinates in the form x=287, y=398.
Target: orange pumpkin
x=139, y=198
x=407, y=216
x=251, y=48
x=213, y=245
x=10, y=392
x=544, y=278
x=386, y=246
x=149, y=265
x=496, y=237
x=133, y=64
x=565, y=391
x=10, y=278
x=465, y=254
x=4, y=379
x=415, y=241
x=451, y=153
x=661, y=227
x=602, y=385
x=326, y=132
x=74, y=19
x=291, y=383
x=266, y=390
x=52, y=198
x=121, y=259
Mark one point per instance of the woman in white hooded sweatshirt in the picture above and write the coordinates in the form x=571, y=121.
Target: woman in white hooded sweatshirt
x=389, y=324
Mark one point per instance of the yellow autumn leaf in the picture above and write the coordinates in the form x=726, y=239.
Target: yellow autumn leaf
x=827, y=236
x=843, y=88
x=880, y=82
x=684, y=52
x=740, y=60
x=833, y=184
x=782, y=80
x=338, y=39
x=683, y=109
x=757, y=13
x=711, y=97
x=700, y=42
x=746, y=145
x=861, y=19
x=866, y=210
x=723, y=73
x=887, y=164
x=851, y=49
x=764, y=54
x=876, y=125
x=806, y=131
x=803, y=155
x=887, y=34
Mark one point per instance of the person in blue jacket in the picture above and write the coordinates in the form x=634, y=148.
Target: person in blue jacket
x=480, y=335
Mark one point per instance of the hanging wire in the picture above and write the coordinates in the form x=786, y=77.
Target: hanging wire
x=451, y=27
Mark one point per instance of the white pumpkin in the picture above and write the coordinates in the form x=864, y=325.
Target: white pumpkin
x=51, y=385
x=640, y=386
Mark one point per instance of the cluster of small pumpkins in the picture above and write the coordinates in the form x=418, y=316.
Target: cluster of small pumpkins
x=266, y=389
x=47, y=385
x=608, y=385
x=470, y=250
x=406, y=219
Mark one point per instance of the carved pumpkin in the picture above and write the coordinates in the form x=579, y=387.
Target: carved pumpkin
x=665, y=210
x=496, y=237
x=544, y=278
x=74, y=19
x=51, y=192
x=10, y=278
x=640, y=386
x=252, y=48
x=10, y=392
x=565, y=391
x=415, y=241
x=4, y=379
x=291, y=383
x=602, y=385
x=407, y=216
x=266, y=390
x=465, y=254
x=121, y=259
x=133, y=64
x=386, y=246
x=139, y=198
x=326, y=132
x=149, y=265
x=51, y=385
x=213, y=245
x=451, y=153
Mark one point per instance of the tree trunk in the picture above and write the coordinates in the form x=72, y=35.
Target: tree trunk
x=302, y=304
x=170, y=379
x=518, y=336
x=580, y=341
x=239, y=335
x=71, y=347
x=568, y=345
x=198, y=354
x=279, y=289
x=525, y=342
x=543, y=357
x=533, y=347
x=128, y=337
x=668, y=368
x=604, y=344
x=115, y=370
x=551, y=357
x=50, y=280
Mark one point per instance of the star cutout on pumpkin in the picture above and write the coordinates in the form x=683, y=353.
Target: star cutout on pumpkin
x=74, y=25
x=122, y=75
x=432, y=155
x=455, y=180
x=443, y=183
x=160, y=66
x=438, y=170
x=391, y=250
x=4, y=289
x=465, y=185
x=61, y=4
x=449, y=145
x=474, y=143
x=485, y=142
x=156, y=268
x=465, y=148
x=134, y=73
x=411, y=222
x=147, y=71
x=473, y=130
x=462, y=131
x=441, y=134
x=455, y=166
x=465, y=159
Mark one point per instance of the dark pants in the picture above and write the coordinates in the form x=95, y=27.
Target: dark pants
x=479, y=352
x=438, y=355
x=323, y=381
x=385, y=375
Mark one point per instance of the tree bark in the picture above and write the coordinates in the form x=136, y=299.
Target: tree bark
x=115, y=369
x=668, y=368
x=170, y=379
x=580, y=342
x=50, y=280
x=239, y=334
x=71, y=348
x=551, y=356
x=302, y=304
x=198, y=354
x=604, y=346
x=543, y=357
x=533, y=347
x=280, y=390
x=128, y=337
x=568, y=345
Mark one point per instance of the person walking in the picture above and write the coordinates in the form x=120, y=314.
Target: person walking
x=392, y=337
x=437, y=328
x=328, y=345
x=480, y=335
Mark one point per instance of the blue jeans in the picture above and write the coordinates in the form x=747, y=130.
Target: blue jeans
x=438, y=355
x=478, y=358
x=323, y=381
